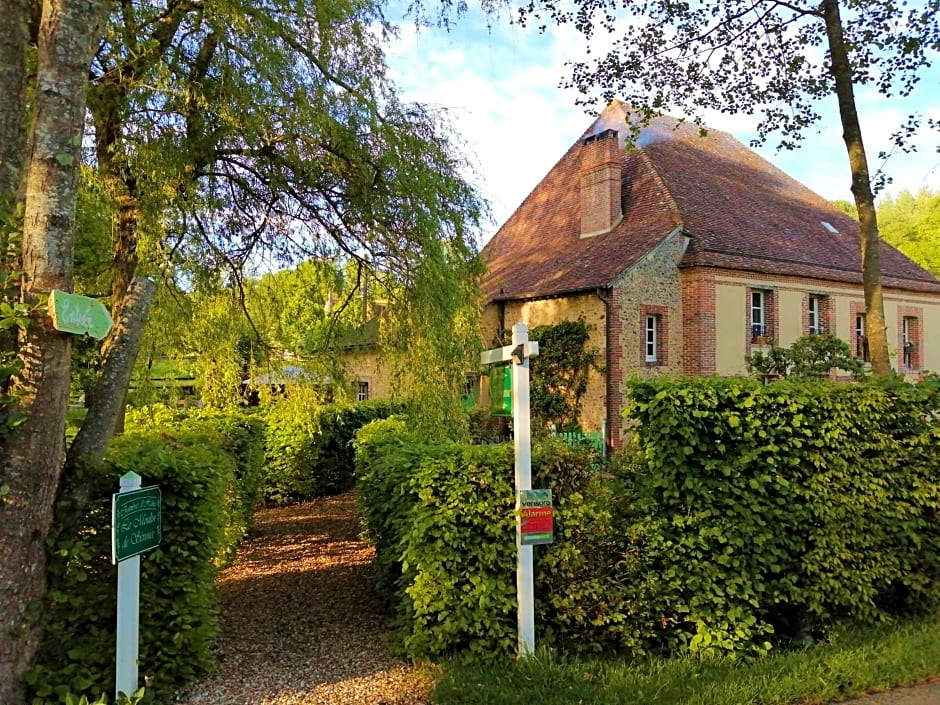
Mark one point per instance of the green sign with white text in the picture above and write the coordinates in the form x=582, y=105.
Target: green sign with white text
x=137, y=522
x=82, y=315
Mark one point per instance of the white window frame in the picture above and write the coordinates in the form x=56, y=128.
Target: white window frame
x=362, y=391
x=652, y=337
x=860, y=337
x=758, y=306
x=907, y=359
x=814, y=306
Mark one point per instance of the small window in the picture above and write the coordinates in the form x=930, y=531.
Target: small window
x=758, y=314
x=652, y=338
x=362, y=391
x=909, y=343
x=861, y=341
x=814, y=306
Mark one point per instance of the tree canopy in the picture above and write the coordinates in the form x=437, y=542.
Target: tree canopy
x=911, y=222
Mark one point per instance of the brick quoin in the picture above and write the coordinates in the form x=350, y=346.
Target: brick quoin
x=698, y=322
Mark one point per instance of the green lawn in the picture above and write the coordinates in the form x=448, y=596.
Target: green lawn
x=848, y=665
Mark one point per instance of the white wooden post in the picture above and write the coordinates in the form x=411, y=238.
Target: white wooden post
x=519, y=353
x=128, y=611
x=522, y=433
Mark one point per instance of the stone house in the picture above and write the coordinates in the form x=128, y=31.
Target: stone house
x=685, y=253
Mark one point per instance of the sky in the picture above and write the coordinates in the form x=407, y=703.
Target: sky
x=501, y=86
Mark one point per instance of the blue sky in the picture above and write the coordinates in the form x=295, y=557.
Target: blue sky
x=501, y=87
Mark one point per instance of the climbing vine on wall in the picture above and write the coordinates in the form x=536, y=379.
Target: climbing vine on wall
x=560, y=373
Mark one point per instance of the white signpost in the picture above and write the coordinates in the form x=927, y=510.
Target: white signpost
x=136, y=527
x=519, y=353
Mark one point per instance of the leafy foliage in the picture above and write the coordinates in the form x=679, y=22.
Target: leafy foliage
x=810, y=357
x=308, y=446
x=747, y=515
x=441, y=518
x=911, y=222
x=779, y=510
x=767, y=57
x=178, y=620
x=560, y=373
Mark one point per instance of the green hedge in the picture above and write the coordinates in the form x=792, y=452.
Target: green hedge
x=178, y=621
x=241, y=433
x=309, y=447
x=748, y=515
x=769, y=513
x=441, y=518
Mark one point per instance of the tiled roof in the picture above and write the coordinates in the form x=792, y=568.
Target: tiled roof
x=739, y=210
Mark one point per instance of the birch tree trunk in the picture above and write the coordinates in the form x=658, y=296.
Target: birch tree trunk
x=31, y=456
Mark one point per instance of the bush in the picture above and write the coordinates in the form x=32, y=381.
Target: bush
x=441, y=518
x=309, y=448
x=783, y=509
x=178, y=618
x=241, y=434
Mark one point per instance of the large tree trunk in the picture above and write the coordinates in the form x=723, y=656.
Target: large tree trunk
x=31, y=456
x=14, y=42
x=876, y=330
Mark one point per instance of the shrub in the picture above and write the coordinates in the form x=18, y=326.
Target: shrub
x=309, y=448
x=785, y=508
x=178, y=618
x=241, y=433
x=441, y=518
x=810, y=357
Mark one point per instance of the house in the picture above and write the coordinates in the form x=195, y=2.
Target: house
x=685, y=253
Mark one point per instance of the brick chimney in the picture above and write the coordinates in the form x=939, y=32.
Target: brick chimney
x=600, y=183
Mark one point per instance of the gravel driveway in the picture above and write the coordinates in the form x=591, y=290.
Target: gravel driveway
x=299, y=621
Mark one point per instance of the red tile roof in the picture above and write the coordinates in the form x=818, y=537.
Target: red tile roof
x=739, y=210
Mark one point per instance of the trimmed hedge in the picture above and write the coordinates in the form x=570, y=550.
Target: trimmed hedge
x=309, y=448
x=442, y=520
x=196, y=472
x=773, y=512
x=750, y=515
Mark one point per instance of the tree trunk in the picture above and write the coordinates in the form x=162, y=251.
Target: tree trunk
x=875, y=327
x=31, y=455
x=107, y=400
x=14, y=43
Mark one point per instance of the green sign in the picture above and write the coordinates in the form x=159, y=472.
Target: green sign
x=137, y=524
x=536, y=517
x=501, y=390
x=81, y=315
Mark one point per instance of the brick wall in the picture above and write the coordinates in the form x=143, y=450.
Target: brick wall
x=698, y=321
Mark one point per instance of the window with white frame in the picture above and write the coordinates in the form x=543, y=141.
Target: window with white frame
x=908, y=339
x=362, y=391
x=861, y=342
x=652, y=338
x=758, y=313
x=814, y=309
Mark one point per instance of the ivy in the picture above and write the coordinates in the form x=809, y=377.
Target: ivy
x=560, y=373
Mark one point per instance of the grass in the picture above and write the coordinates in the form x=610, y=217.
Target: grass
x=849, y=664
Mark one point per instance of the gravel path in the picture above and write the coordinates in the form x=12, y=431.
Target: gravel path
x=300, y=624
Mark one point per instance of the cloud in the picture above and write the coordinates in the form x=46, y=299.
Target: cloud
x=501, y=84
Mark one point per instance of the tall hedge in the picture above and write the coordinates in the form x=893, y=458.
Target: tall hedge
x=772, y=512
x=749, y=515
x=178, y=621
x=309, y=447
x=442, y=520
